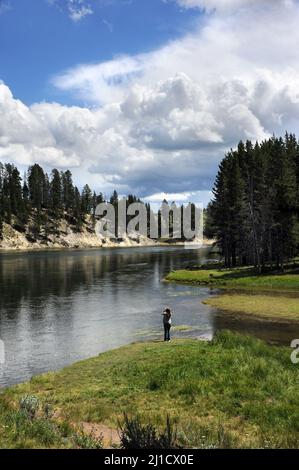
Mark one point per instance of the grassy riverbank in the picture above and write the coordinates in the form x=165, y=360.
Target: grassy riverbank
x=278, y=306
x=238, y=278
x=232, y=392
x=265, y=306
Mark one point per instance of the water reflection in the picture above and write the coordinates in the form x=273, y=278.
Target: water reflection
x=59, y=307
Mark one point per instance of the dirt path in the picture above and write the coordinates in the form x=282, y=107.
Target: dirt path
x=110, y=436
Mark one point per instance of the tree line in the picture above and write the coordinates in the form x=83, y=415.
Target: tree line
x=36, y=202
x=254, y=214
x=38, y=198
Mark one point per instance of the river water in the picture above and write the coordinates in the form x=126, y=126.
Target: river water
x=58, y=307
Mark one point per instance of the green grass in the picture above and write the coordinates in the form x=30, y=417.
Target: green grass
x=18, y=431
x=265, y=306
x=249, y=281
x=232, y=392
x=237, y=278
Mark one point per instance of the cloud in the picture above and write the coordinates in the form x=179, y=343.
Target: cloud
x=103, y=82
x=160, y=138
x=76, y=9
x=25, y=138
x=230, y=5
x=160, y=122
x=238, y=46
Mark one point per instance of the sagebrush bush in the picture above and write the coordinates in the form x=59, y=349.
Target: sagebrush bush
x=29, y=405
x=134, y=435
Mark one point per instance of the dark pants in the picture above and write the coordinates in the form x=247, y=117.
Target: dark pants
x=167, y=332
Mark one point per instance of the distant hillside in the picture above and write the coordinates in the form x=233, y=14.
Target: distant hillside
x=48, y=211
x=62, y=233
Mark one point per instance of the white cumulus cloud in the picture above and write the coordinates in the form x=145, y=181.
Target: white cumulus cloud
x=160, y=122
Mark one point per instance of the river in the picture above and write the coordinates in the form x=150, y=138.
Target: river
x=58, y=307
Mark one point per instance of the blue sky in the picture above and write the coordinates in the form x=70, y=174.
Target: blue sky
x=144, y=96
x=38, y=39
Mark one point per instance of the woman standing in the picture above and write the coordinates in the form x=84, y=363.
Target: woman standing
x=167, y=323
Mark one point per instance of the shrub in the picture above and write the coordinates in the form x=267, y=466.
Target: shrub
x=134, y=435
x=29, y=405
x=24, y=429
x=88, y=441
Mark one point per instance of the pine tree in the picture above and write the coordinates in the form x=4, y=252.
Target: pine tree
x=86, y=200
x=68, y=193
x=1, y=227
x=56, y=193
x=77, y=209
x=114, y=199
x=254, y=212
x=36, y=183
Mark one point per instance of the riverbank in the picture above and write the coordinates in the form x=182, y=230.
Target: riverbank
x=267, y=307
x=271, y=296
x=239, y=278
x=66, y=237
x=232, y=392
